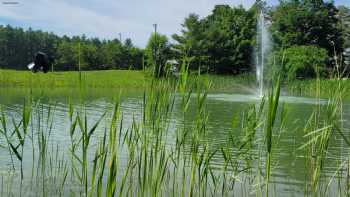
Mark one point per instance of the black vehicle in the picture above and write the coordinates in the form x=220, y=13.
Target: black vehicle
x=41, y=63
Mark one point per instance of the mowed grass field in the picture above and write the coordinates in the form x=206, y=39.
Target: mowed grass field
x=93, y=79
x=126, y=79
x=139, y=80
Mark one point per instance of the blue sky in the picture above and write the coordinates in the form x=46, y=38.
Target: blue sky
x=107, y=18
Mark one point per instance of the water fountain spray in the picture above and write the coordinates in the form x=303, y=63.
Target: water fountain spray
x=263, y=46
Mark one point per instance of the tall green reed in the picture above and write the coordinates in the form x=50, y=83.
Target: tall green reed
x=273, y=101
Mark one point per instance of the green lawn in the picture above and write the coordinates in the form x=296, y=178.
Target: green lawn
x=138, y=80
x=107, y=79
x=93, y=79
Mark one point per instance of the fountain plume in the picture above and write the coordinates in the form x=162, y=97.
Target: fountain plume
x=263, y=47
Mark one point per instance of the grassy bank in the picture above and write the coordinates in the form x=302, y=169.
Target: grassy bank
x=108, y=79
x=138, y=80
x=326, y=87
x=93, y=79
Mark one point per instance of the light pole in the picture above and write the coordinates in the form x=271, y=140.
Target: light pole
x=79, y=61
x=155, y=52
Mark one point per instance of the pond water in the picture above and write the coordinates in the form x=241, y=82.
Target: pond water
x=290, y=174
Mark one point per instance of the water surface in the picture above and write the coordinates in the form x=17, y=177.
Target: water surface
x=289, y=172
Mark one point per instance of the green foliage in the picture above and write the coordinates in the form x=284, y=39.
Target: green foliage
x=301, y=61
x=306, y=22
x=344, y=16
x=221, y=42
x=18, y=46
x=118, y=79
x=191, y=42
x=68, y=57
x=133, y=56
x=157, y=52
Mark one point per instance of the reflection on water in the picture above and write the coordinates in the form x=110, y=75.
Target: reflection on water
x=289, y=171
x=244, y=98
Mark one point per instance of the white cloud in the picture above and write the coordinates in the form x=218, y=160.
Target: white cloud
x=105, y=19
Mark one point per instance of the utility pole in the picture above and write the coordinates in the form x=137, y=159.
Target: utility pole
x=79, y=62
x=120, y=37
x=155, y=53
x=79, y=56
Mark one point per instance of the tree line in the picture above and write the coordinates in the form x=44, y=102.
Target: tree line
x=225, y=41
x=307, y=35
x=17, y=47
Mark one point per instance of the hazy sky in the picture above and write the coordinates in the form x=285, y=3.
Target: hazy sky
x=107, y=18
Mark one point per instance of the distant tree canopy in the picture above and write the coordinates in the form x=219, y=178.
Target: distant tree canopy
x=221, y=42
x=307, y=22
x=303, y=28
x=18, y=46
x=301, y=62
x=157, y=52
x=344, y=17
